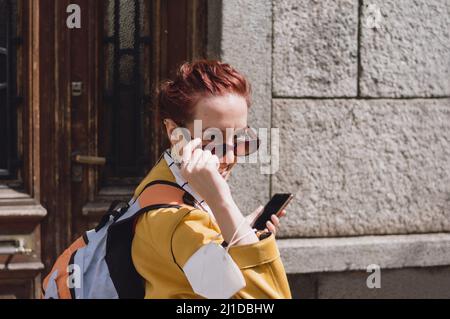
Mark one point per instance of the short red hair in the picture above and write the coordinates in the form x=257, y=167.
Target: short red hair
x=194, y=80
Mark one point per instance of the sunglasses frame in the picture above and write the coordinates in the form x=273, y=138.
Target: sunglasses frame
x=225, y=147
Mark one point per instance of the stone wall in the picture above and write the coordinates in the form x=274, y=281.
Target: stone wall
x=360, y=91
x=408, y=283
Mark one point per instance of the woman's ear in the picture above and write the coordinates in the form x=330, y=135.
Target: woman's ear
x=170, y=127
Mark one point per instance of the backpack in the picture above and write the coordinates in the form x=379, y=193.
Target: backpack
x=99, y=265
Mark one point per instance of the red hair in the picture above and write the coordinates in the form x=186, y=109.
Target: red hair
x=177, y=98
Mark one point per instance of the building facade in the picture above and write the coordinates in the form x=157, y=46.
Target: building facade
x=360, y=93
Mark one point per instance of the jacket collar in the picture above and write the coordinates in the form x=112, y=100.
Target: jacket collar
x=166, y=170
x=173, y=167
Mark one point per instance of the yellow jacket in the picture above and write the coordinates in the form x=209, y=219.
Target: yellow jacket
x=165, y=239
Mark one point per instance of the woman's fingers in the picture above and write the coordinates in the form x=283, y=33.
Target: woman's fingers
x=195, y=159
x=188, y=151
x=257, y=212
x=214, y=161
x=271, y=227
x=281, y=213
x=275, y=220
x=251, y=218
x=205, y=159
x=208, y=160
x=273, y=224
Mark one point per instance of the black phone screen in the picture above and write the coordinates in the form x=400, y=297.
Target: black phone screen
x=272, y=207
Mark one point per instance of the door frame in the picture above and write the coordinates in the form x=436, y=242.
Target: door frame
x=21, y=206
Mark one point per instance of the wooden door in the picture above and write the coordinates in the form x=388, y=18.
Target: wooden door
x=116, y=136
x=85, y=129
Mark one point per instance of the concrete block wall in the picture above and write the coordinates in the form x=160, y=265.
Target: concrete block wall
x=360, y=90
x=407, y=283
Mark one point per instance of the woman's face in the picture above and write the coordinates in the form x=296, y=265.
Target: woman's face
x=221, y=115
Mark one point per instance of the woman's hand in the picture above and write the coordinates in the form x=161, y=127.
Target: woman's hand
x=200, y=169
x=271, y=225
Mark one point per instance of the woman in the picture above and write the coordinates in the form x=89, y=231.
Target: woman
x=168, y=241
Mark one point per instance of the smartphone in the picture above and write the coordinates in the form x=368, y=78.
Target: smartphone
x=273, y=207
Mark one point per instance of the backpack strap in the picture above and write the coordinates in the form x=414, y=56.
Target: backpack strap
x=164, y=192
x=112, y=212
x=158, y=192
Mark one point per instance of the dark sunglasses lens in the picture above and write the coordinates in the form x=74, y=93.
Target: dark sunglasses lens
x=243, y=148
x=247, y=143
x=246, y=148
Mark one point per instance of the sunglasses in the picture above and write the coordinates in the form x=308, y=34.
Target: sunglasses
x=245, y=142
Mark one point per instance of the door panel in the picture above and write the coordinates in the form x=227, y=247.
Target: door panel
x=124, y=122
x=83, y=66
